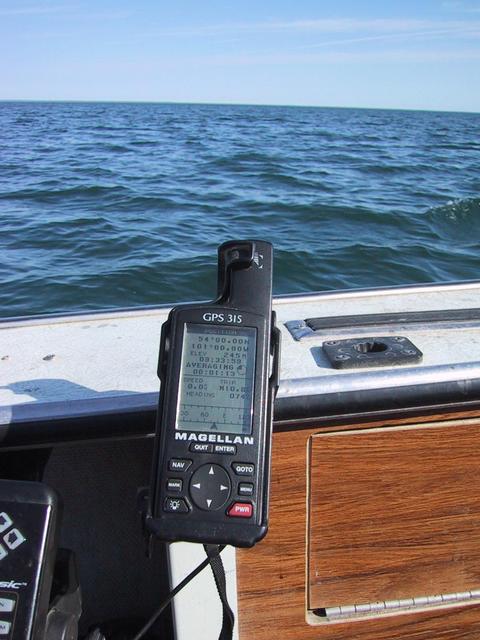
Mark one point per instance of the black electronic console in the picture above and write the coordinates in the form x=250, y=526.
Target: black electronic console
x=29, y=524
x=219, y=367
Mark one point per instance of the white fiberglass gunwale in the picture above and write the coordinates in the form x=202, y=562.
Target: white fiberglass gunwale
x=102, y=362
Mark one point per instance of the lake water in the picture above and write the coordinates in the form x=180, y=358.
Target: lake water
x=105, y=205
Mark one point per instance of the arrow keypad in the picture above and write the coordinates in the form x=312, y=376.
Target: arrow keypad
x=210, y=487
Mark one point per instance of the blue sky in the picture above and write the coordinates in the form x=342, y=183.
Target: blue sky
x=409, y=54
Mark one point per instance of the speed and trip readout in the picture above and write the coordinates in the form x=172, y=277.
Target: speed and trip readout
x=216, y=379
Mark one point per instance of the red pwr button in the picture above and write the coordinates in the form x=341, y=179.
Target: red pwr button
x=240, y=510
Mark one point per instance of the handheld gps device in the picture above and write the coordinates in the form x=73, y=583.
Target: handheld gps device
x=219, y=367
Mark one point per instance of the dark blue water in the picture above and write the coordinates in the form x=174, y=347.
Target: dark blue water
x=105, y=205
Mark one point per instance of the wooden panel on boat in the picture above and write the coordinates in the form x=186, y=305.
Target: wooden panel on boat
x=394, y=514
x=273, y=577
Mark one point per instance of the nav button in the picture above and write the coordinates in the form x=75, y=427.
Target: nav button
x=176, y=464
x=5, y=628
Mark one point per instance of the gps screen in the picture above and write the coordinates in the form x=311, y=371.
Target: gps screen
x=217, y=379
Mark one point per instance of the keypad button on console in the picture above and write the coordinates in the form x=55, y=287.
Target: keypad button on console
x=229, y=449
x=210, y=487
x=14, y=538
x=240, y=510
x=245, y=489
x=5, y=627
x=5, y=521
x=243, y=468
x=7, y=605
x=178, y=464
x=200, y=447
x=175, y=505
x=174, y=485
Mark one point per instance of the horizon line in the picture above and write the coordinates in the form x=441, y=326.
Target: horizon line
x=233, y=104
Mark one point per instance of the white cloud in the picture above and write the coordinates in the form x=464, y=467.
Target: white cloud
x=332, y=57
x=70, y=10
x=340, y=25
x=37, y=9
x=428, y=34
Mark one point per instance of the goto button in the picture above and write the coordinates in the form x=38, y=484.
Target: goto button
x=243, y=468
x=240, y=510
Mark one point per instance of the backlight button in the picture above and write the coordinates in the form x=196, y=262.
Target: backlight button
x=175, y=505
x=240, y=510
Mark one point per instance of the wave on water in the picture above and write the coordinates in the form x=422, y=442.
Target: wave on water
x=458, y=220
x=466, y=211
x=82, y=191
x=105, y=205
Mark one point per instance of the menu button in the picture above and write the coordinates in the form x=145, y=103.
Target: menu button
x=245, y=489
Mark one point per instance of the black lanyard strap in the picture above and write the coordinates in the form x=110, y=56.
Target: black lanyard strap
x=218, y=570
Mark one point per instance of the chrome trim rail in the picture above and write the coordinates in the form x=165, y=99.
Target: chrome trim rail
x=460, y=373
